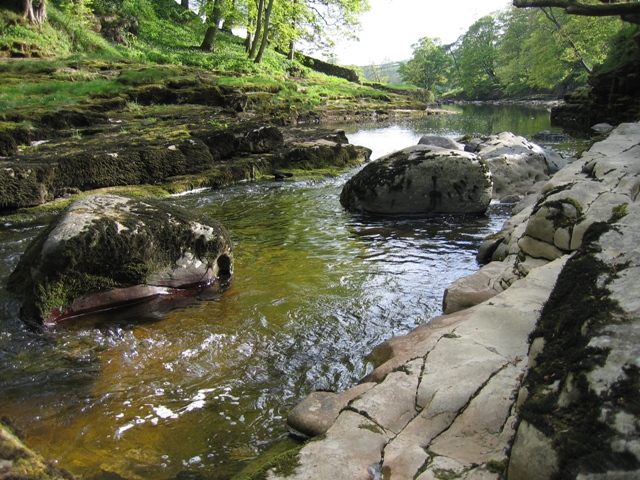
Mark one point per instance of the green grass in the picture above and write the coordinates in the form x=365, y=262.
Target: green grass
x=53, y=94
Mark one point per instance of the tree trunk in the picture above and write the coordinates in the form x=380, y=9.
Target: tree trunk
x=209, y=38
x=185, y=4
x=265, y=35
x=248, y=39
x=256, y=36
x=292, y=50
x=36, y=15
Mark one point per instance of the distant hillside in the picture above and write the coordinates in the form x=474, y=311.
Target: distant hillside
x=386, y=73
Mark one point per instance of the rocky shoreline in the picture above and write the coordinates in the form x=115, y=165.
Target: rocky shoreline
x=540, y=380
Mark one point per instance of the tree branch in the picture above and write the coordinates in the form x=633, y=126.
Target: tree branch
x=573, y=7
x=552, y=18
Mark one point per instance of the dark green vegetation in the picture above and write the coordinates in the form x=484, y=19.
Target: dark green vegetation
x=140, y=103
x=20, y=462
x=569, y=320
x=282, y=458
x=520, y=53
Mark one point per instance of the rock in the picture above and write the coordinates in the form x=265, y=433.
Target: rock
x=511, y=199
x=106, y=251
x=602, y=128
x=420, y=180
x=322, y=153
x=473, y=144
x=17, y=461
x=322, y=459
x=549, y=136
x=260, y=140
x=533, y=456
x=439, y=141
x=518, y=166
x=316, y=413
x=474, y=289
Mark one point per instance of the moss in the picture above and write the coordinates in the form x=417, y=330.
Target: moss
x=372, y=428
x=445, y=474
x=574, y=311
x=282, y=458
x=107, y=255
x=618, y=212
x=499, y=468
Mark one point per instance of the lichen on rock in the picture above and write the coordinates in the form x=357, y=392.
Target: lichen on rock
x=420, y=180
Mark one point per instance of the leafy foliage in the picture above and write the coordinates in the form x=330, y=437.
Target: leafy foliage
x=520, y=52
x=430, y=65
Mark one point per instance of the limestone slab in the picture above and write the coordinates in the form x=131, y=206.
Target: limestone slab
x=475, y=435
x=352, y=445
x=391, y=404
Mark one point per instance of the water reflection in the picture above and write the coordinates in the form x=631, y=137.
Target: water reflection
x=202, y=386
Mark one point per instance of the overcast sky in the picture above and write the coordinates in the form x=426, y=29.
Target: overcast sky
x=392, y=26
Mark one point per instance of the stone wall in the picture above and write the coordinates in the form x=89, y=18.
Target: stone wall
x=329, y=68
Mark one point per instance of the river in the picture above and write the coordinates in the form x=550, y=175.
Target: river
x=194, y=390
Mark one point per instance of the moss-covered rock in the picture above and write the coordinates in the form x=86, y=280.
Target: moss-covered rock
x=107, y=250
x=18, y=462
x=421, y=180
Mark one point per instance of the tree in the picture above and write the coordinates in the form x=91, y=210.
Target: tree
x=35, y=11
x=430, y=65
x=628, y=10
x=476, y=53
x=213, y=10
x=547, y=50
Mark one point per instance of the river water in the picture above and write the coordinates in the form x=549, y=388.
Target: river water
x=194, y=390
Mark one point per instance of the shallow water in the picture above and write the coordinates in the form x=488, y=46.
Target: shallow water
x=204, y=385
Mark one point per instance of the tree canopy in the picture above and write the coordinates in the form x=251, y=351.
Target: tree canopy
x=430, y=65
x=516, y=52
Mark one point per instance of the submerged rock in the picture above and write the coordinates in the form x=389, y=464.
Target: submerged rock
x=107, y=251
x=418, y=180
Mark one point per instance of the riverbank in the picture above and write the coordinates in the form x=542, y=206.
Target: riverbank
x=176, y=128
x=467, y=396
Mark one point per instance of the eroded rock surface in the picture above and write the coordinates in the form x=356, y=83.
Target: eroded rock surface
x=106, y=251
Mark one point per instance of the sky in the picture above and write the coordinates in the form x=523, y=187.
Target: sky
x=392, y=26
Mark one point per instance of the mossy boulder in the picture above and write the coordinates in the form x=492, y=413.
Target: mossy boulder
x=421, y=180
x=107, y=251
x=18, y=462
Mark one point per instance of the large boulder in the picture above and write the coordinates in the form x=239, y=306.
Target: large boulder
x=517, y=165
x=418, y=180
x=107, y=250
